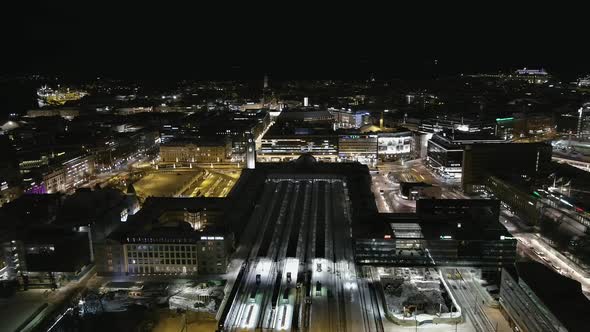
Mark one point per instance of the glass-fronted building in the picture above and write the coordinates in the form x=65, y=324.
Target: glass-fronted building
x=455, y=233
x=445, y=157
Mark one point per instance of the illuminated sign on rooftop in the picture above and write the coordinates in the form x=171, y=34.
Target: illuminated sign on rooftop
x=504, y=119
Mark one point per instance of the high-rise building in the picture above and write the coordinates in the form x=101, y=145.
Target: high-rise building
x=480, y=161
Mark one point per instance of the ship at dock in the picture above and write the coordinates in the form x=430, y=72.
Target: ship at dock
x=47, y=96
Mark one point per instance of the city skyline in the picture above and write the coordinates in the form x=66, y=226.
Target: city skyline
x=308, y=168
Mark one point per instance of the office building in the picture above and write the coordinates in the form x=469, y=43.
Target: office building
x=583, y=128
x=49, y=238
x=480, y=161
x=449, y=124
x=349, y=119
x=169, y=236
x=189, y=151
x=445, y=156
x=65, y=174
x=77, y=171
x=534, y=298
x=288, y=141
x=47, y=256
x=442, y=232
x=394, y=145
x=521, y=201
x=361, y=148
x=473, y=157
x=39, y=251
x=533, y=76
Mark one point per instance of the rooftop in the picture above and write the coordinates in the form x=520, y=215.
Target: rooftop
x=563, y=296
x=463, y=137
x=299, y=128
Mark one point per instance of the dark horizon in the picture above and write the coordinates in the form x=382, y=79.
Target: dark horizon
x=303, y=43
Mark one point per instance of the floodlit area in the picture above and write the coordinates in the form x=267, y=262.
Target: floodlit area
x=417, y=294
x=213, y=184
x=388, y=176
x=159, y=305
x=167, y=183
x=203, y=297
x=186, y=183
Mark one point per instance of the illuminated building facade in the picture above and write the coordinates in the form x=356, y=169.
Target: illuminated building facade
x=361, y=148
x=437, y=125
x=534, y=76
x=583, y=130
x=394, y=145
x=286, y=141
x=55, y=180
x=49, y=96
x=78, y=170
x=186, y=152
x=445, y=157
x=69, y=175
x=445, y=151
x=348, y=119
x=169, y=236
x=166, y=251
x=584, y=82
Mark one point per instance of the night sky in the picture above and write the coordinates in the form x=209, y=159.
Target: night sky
x=297, y=40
